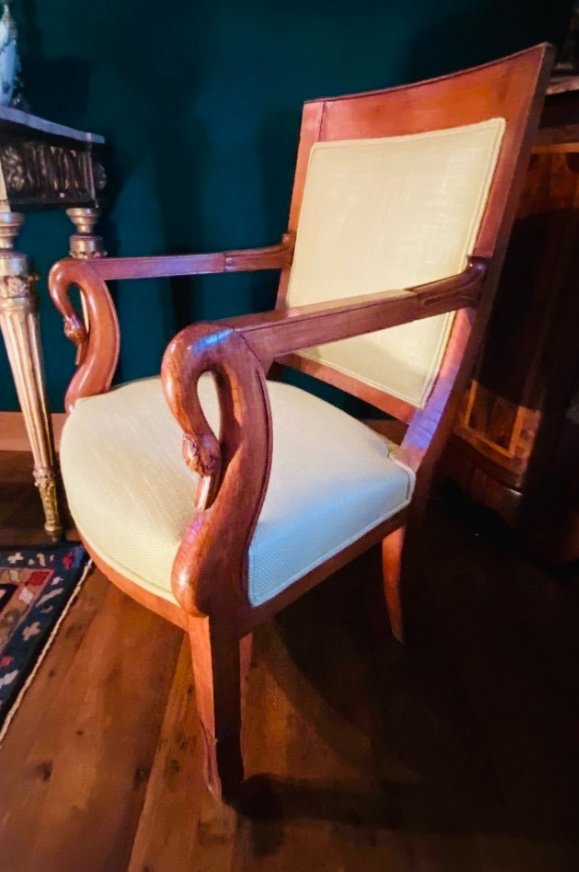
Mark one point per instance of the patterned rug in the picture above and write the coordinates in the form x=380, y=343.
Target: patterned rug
x=37, y=585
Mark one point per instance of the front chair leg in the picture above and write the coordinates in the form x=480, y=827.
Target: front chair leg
x=391, y=562
x=220, y=666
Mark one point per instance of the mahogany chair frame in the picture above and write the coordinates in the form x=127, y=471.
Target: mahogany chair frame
x=210, y=584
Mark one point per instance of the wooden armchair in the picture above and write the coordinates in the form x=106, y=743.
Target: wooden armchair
x=401, y=210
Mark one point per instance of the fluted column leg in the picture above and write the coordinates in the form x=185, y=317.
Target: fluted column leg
x=20, y=328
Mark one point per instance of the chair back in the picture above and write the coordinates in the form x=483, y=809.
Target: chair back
x=398, y=188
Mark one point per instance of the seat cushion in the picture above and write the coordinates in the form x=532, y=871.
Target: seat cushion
x=132, y=496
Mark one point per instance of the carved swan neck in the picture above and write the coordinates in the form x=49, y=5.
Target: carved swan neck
x=97, y=341
x=234, y=467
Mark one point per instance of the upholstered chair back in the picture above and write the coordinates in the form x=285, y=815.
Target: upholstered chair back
x=391, y=213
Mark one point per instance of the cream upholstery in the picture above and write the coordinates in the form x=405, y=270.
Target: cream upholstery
x=131, y=494
x=380, y=214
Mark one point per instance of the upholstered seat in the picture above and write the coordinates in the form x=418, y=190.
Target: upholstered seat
x=332, y=480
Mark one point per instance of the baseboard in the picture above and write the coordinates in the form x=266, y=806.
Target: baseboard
x=13, y=432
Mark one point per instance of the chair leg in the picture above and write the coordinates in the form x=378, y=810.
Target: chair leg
x=391, y=563
x=220, y=667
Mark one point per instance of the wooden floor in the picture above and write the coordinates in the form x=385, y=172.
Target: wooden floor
x=459, y=753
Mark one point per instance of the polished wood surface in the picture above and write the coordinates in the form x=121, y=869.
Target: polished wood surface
x=209, y=573
x=455, y=753
x=234, y=469
x=392, y=547
x=274, y=334
x=509, y=431
x=97, y=340
x=13, y=430
x=269, y=257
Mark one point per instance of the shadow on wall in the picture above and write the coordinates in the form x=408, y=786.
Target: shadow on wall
x=474, y=33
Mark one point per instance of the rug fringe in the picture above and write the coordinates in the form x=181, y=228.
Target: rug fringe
x=45, y=649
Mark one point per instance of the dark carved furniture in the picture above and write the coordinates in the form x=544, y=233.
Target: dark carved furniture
x=402, y=205
x=515, y=449
x=42, y=166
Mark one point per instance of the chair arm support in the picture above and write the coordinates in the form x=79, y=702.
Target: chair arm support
x=234, y=469
x=210, y=570
x=98, y=340
x=282, y=331
x=250, y=259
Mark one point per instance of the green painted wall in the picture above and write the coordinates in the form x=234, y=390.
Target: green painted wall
x=200, y=104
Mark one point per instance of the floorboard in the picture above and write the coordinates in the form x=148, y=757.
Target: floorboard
x=456, y=753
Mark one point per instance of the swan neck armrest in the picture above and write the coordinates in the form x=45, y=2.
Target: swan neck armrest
x=96, y=334
x=233, y=466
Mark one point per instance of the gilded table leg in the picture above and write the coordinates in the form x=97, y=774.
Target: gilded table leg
x=19, y=323
x=85, y=243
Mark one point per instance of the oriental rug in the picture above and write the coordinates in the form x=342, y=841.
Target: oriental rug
x=37, y=586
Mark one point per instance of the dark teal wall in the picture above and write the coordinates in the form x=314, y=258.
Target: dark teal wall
x=200, y=104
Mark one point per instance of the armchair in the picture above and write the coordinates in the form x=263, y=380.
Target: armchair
x=215, y=496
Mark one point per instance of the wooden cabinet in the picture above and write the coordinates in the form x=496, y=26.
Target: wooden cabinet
x=516, y=441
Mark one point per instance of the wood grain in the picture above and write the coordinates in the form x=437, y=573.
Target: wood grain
x=277, y=256
x=457, y=752
x=505, y=447
x=282, y=331
x=176, y=775
x=392, y=547
x=77, y=772
x=98, y=341
x=208, y=580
